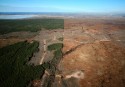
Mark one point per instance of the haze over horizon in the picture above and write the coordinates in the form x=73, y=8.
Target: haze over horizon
x=95, y=6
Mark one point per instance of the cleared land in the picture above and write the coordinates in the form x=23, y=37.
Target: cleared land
x=96, y=46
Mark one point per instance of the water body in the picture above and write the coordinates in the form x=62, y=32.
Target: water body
x=15, y=16
x=22, y=15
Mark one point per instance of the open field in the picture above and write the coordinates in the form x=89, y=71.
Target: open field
x=96, y=46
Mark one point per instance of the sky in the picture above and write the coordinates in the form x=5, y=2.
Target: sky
x=97, y=6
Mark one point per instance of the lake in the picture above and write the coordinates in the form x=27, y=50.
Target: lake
x=16, y=16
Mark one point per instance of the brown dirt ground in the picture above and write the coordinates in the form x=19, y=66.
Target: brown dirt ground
x=5, y=42
x=102, y=57
x=103, y=62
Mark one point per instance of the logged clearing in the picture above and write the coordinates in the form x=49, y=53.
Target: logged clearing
x=96, y=46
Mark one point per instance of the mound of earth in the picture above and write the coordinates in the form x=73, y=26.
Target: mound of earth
x=103, y=64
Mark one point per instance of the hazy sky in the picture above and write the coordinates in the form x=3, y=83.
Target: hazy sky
x=62, y=6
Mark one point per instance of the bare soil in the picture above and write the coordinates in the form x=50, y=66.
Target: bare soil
x=96, y=46
x=46, y=38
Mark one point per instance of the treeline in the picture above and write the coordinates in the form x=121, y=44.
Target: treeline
x=32, y=25
x=57, y=48
x=14, y=72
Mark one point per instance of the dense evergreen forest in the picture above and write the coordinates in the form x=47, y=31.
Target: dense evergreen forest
x=32, y=25
x=14, y=70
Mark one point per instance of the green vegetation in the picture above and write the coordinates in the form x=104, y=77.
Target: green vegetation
x=55, y=46
x=60, y=39
x=57, y=54
x=32, y=25
x=14, y=72
x=55, y=61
